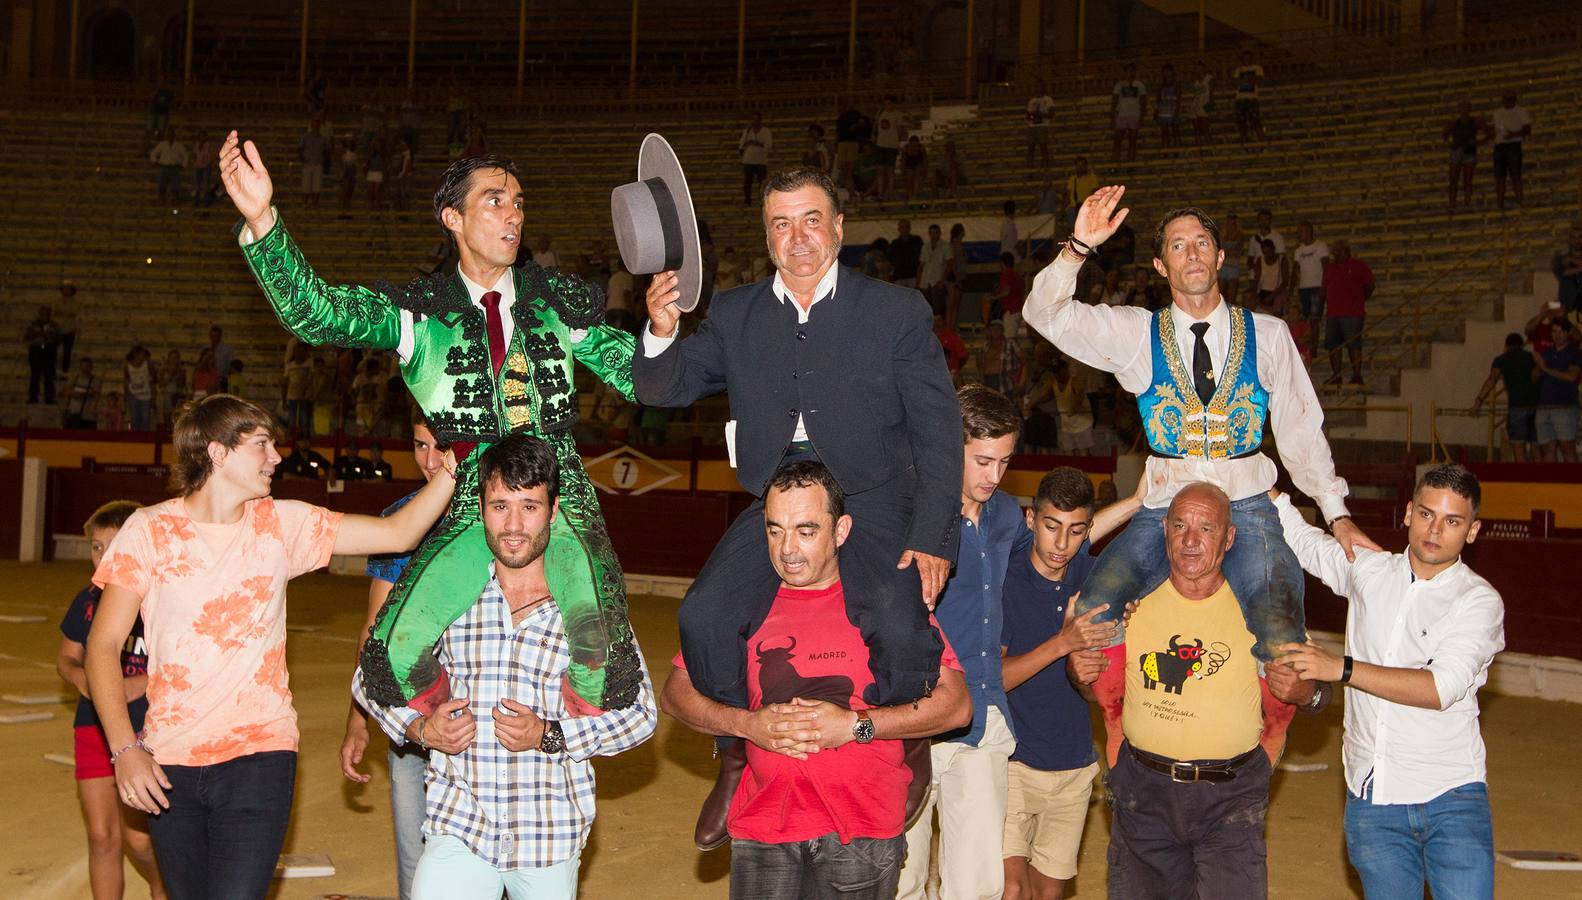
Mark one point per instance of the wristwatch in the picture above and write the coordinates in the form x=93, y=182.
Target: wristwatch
x=554, y=740
x=862, y=729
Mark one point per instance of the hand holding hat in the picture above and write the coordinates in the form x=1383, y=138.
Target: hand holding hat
x=657, y=232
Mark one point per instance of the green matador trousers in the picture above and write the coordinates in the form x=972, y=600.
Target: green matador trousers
x=448, y=370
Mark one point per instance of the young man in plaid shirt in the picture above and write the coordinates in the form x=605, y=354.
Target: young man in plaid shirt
x=510, y=783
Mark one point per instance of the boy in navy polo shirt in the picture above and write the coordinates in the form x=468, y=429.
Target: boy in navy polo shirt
x=1051, y=773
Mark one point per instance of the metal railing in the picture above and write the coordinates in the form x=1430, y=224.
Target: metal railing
x=1402, y=408
x=1439, y=451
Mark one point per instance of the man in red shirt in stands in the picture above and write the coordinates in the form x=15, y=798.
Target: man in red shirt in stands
x=1348, y=283
x=821, y=806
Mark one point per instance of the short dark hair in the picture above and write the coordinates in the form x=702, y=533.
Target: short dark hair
x=787, y=180
x=986, y=413
x=1452, y=477
x=1008, y=259
x=520, y=461
x=807, y=473
x=1065, y=489
x=1514, y=340
x=111, y=515
x=1183, y=212
x=223, y=418
x=457, y=181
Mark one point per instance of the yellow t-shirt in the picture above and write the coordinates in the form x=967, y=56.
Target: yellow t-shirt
x=1191, y=681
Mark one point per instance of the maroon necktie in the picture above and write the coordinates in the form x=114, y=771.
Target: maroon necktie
x=491, y=311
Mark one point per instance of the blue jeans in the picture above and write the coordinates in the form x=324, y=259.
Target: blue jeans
x=1262, y=570
x=1447, y=842
x=1312, y=300
x=822, y=868
x=451, y=871
x=407, y=810
x=223, y=832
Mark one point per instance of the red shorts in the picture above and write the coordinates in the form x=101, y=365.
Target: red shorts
x=92, y=752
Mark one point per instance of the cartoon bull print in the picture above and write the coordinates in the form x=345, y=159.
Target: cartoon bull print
x=1171, y=667
x=780, y=682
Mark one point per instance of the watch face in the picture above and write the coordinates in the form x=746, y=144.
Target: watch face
x=863, y=730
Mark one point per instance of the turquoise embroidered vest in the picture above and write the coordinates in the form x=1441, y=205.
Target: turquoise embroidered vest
x=1174, y=419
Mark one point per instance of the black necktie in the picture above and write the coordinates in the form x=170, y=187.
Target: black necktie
x=1202, y=365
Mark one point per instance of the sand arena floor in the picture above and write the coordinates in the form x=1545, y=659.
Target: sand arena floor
x=641, y=845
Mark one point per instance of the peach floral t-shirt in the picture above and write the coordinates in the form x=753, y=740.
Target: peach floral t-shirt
x=214, y=614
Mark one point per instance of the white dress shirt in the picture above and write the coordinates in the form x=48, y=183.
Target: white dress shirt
x=1118, y=339
x=1450, y=625
x=653, y=346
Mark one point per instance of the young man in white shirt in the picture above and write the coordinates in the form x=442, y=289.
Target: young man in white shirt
x=1311, y=256
x=1421, y=632
x=1128, y=99
x=1040, y=115
x=1512, y=126
x=754, y=147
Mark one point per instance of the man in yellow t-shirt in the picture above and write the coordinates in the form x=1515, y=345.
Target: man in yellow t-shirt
x=1189, y=783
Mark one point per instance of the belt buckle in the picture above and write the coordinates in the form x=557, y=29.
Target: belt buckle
x=1176, y=767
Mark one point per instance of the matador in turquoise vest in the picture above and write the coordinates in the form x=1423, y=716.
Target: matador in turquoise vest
x=448, y=348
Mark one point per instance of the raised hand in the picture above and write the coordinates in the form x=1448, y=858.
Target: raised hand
x=247, y=182
x=1098, y=219
x=661, y=300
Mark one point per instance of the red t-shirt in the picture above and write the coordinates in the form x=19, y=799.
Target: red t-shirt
x=808, y=648
x=1015, y=290
x=1344, y=283
x=955, y=348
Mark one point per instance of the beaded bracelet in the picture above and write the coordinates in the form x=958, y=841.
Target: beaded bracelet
x=137, y=743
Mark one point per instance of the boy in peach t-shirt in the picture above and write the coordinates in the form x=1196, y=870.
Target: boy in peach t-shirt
x=216, y=762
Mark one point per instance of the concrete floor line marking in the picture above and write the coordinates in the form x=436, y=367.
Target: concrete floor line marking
x=28, y=662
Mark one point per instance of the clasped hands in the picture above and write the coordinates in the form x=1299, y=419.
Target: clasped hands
x=800, y=728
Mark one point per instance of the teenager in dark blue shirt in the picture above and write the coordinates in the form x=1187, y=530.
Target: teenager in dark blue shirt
x=1051, y=773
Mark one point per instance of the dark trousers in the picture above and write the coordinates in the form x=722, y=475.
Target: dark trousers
x=226, y=824
x=68, y=339
x=820, y=869
x=752, y=174
x=1203, y=840
x=731, y=597
x=41, y=372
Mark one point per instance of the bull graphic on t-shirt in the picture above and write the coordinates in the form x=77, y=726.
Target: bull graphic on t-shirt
x=780, y=682
x=1171, y=667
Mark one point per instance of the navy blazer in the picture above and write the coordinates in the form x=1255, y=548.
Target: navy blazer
x=866, y=373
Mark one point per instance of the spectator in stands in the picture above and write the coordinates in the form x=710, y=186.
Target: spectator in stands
x=1202, y=102
x=401, y=174
x=729, y=272
x=313, y=151
x=906, y=253
x=1079, y=184
x=170, y=156
x=326, y=398
x=887, y=139
x=1249, y=118
x=1048, y=201
x=1560, y=366
x=1567, y=269
x=1463, y=135
x=1142, y=294
x=1128, y=103
x=1230, y=273
x=1266, y=231
x=931, y=273
x=296, y=390
x=1310, y=256
x=1348, y=284
x=876, y=261
x=349, y=465
x=1304, y=333
x=947, y=168
x=137, y=379
x=205, y=376
x=955, y=273
x=1518, y=372
x=1512, y=127
x=1120, y=250
x=368, y=390
x=955, y=348
x=1040, y=116
x=545, y=254
x=1537, y=328
x=112, y=412
x=350, y=164
x=619, y=295
x=315, y=91
x=456, y=106
x=1004, y=303
x=172, y=385
x=159, y=109
x=1271, y=276
x=754, y=146
x=304, y=462
x=205, y=170
x=1010, y=241
x=816, y=155
x=221, y=352
x=1167, y=109
x=395, y=404
x=236, y=380
x=914, y=164
x=82, y=397
x=374, y=173
x=852, y=128
x=410, y=122
x=477, y=138
x=1112, y=292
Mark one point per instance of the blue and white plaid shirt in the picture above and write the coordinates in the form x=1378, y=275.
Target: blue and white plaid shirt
x=522, y=810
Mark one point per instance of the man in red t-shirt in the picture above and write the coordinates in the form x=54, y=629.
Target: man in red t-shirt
x=1008, y=297
x=821, y=806
x=1348, y=283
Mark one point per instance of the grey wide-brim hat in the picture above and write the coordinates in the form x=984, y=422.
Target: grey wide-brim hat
x=655, y=226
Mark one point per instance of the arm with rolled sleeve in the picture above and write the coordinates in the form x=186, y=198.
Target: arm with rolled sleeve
x=932, y=414
x=1460, y=662
x=1108, y=338
x=1319, y=554
x=1298, y=423
x=393, y=720
x=676, y=373
x=614, y=731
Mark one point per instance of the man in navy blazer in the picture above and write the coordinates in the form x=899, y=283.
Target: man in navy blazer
x=820, y=362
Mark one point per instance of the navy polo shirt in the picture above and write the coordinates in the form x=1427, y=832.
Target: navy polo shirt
x=970, y=614
x=1053, y=731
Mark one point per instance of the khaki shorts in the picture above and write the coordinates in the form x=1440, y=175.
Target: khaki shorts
x=1045, y=812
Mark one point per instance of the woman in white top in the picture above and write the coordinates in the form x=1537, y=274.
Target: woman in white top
x=1272, y=275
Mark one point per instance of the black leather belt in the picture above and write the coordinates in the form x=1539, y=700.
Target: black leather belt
x=1215, y=771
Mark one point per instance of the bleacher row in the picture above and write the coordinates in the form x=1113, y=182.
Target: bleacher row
x=1361, y=159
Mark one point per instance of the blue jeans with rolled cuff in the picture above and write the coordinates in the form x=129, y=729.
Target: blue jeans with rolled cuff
x=1261, y=569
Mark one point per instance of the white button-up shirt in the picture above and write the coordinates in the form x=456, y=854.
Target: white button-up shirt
x=1450, y=625
x=1118, y=340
